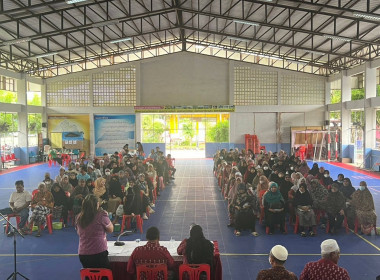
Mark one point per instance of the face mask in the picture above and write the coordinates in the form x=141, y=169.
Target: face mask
x=128, y=162
x=261, y=182
x=281, y=176
x=108, y=173
x=258, y=166
x=326, y=175
x=291, y=168
x=340, y=182
x=271, y=158
x=265, y=167
x=362, y=188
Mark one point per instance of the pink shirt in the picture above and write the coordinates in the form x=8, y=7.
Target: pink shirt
x=92, y=239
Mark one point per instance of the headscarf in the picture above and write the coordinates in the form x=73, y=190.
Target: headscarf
x=60, y=196
x=99, y=189
x=273, y=197
x=314, y=170
x=264, y=186
x=318, y=193
x=363, y=200
x=66, y=186
x=347, y=190
x=335, y=201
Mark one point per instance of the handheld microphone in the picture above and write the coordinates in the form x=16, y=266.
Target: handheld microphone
x=120, y=243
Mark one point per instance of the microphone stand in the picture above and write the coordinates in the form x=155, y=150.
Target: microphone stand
x=120, y=243
x=13, y=276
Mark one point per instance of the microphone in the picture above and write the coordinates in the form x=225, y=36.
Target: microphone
x=120, y=243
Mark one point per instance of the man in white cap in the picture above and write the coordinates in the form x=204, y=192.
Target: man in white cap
x=326, y=268
x=277, y=257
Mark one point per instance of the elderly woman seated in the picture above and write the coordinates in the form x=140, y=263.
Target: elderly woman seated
x=362, y=200
x=42, y=203
x=274, y=206
x=335, y=205
x=303, y=204
x=245, y=209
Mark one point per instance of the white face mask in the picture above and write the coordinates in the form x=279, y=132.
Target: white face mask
x=261, y=182
x=265, y=167
x=108, y=173
x=326, y=175
x=291, y=167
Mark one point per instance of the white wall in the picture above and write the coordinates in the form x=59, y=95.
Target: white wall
x=184, y=79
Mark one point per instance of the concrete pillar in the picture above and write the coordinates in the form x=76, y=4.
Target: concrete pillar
x=44, y=114
x=369, y=134
x=345, y=115
x=23, y=120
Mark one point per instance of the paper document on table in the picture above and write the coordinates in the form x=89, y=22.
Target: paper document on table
x=113, y=250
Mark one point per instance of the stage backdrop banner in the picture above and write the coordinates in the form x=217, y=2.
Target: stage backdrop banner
x=112, y=132
x=71, y=123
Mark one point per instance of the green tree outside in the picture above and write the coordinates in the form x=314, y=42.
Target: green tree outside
x=219, y=133
x=7, y=96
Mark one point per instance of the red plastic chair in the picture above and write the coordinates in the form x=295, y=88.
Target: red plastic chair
x=14, y=215
x=152, y=271
x=345, y=224
x=128, y=219
x=194, y=271
x=357, y=226
x=95, y=273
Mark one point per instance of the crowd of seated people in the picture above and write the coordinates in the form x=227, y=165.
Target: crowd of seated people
x=119, y=181
x=271, y=186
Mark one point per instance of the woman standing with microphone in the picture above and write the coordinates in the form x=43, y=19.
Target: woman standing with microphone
x=92, y=225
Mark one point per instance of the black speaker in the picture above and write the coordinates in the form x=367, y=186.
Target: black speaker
x=44, y=124
x=327, y=122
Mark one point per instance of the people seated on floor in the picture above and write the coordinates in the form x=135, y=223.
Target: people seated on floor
x=152, y=252
x=245, y=206
x=277, y=258
x=327, y=265
x=197, y=249
x=362, y=201
x=19, y=202
x=303, y=203
x=101, y=192
x=93, y=224
x=274, y=206
x=60, y=203
x=79, y=193
x=335, y=205
x=42, y=204
x=115, y=194
x=48, y=181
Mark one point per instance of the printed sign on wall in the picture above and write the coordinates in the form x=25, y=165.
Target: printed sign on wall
x=112, y=132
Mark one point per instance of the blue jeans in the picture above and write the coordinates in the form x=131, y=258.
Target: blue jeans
x=24, y=214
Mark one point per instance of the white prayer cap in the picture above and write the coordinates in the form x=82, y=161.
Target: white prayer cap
x=238, y=174
x=329, y=246
x=279, y=252
x=90, y=166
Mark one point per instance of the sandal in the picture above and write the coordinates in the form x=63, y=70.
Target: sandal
x=237, y=233
x=303, y=234
x=254, y=233
x=311, y=233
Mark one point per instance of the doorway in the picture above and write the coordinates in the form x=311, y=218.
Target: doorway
x=185, y=134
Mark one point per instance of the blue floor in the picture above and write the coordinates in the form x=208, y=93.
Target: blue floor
x=193, y=197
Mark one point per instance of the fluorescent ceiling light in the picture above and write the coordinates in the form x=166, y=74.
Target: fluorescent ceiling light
x=246, y=22
x=74, y=1
x=17, y=41
x=366, y=16
x=216, y=47
x=237, y=39
x=121, y=40
x=316, y=52
x=45, y=54
x=104, y=23
x=337, y=38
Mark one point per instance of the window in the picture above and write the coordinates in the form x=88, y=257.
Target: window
x=357, y=87
x=336, y=92
x=34, y=94
x=8, y=84
x=357, y=125
x=34, y=127
x=8, y=132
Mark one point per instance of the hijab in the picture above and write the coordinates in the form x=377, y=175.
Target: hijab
x=271, y=197
x=99, y=189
